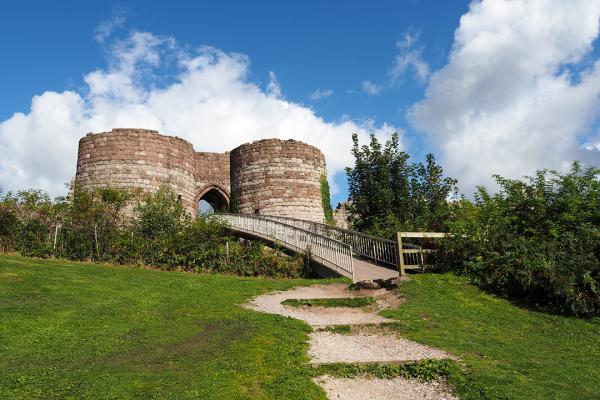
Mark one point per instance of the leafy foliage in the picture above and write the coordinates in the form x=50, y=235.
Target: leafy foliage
x=536, y=240
x=389, y=194
x=128, y=227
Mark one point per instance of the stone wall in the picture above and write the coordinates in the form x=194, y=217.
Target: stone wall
x=137, y=158
x=145, y=159
x=212, y=170
x=277, y=177
x=268, y=176
x=341, y=215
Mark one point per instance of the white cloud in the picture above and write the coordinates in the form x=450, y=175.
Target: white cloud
x=211, y=103
x=408, y=58
x=371, y=88
x=321, y=94
x=518, y=92
x=107, y=27
x=273, y=87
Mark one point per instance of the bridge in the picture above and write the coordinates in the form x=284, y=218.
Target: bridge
x=344, y=252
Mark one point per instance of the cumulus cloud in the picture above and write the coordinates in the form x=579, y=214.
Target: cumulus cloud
x=518, y=93
x=321, y=94
x=210, y=102
x=409, y=58
x=371, y=88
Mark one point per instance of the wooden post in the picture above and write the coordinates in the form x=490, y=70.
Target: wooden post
x=55, y=236
x=400, y=254
x=227, y=251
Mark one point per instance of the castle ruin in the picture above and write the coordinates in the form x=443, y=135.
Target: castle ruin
x=270, y=176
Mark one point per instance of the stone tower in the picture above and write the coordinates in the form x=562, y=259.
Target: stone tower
x=278, y=177
x=270, y=176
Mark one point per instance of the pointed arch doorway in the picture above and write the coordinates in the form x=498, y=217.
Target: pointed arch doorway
x=212, y=198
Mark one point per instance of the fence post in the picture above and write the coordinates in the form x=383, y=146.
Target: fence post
x=400, y=254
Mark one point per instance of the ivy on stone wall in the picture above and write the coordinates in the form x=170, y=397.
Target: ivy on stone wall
x=326, y=200
x=233, y=203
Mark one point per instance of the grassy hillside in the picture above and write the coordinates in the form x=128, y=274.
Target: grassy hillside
x=84, y=331
x=513, y=353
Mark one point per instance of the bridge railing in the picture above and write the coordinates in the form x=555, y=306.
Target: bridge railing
x=374, y=248
x=330, y=252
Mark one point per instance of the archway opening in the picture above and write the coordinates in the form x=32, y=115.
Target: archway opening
x=213, y=200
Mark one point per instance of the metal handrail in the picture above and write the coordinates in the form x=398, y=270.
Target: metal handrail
x=330, y=252
x=382, y=250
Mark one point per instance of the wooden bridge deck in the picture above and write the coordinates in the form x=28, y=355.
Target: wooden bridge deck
x=364, y=270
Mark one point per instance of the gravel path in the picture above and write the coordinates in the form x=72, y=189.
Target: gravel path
x=383, y=389
x=316, y=316
x=328, y=347
x=366, y=344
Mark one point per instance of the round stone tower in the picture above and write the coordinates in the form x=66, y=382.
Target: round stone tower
x=138, y=158
x=277, y=177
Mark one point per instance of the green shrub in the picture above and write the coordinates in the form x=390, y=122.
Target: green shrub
x=33, y=239
x=254, y=259
x=97, y=225
x=537, y=240
x=9, y=223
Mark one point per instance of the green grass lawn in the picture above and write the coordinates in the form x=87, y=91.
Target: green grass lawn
x=83, y=331
x=352, y=302
x=512, y=352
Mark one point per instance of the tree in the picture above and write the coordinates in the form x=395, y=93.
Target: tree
x=99, y=213
x=160, y=219
x=387, y=193
x=429, y=193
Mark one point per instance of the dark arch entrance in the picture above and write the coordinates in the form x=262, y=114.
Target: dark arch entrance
x=212, y=199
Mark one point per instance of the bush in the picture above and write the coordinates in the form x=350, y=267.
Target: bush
x=9, y=223
x=249, y=258
x=537, y=240
x=120, y=226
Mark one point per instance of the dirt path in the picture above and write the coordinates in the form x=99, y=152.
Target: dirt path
x=327, y=347
x=385, y=389
x=364, y=346
x=316, y=316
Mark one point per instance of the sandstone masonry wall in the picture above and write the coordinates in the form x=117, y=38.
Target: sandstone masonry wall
x=277, y=177
x=145, y=159
x=212, y=169
x=269, y=176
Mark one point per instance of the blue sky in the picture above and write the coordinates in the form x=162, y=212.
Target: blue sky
x=308, y=44
x=476, y=107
